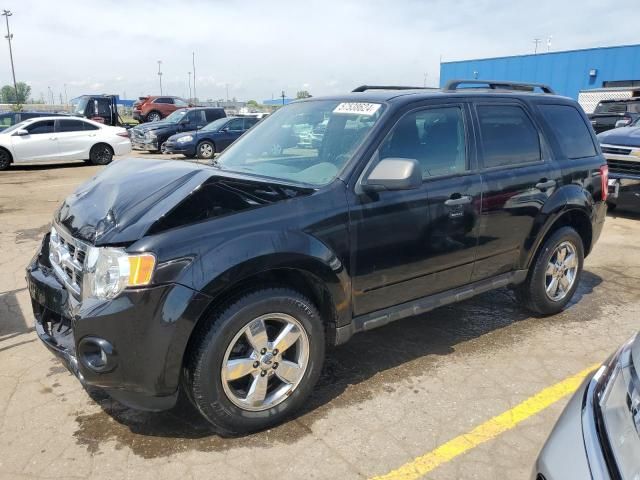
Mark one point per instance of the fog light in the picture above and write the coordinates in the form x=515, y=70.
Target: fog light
x=97, y=354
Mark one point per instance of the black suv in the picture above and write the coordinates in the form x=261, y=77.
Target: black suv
x=228, y=280
x=151, y=136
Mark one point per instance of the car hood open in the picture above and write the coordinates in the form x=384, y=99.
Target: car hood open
x=132, y=197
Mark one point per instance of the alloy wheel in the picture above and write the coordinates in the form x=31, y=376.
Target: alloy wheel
x=206, y=150
x=265, y=362
x=561, y=272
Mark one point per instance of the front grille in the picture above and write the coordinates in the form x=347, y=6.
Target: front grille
x=616, y=150
x=624, y=167
x=67, y=256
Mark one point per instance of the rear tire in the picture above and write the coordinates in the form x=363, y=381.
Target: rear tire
x=5, y=159
x=153, y=116
x=554, y=276
x=101, y=154
x=206, y=150
x=235, y=400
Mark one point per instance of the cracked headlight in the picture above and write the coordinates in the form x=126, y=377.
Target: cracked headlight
x=620, y=409
x=185, y=139
x=110, y=270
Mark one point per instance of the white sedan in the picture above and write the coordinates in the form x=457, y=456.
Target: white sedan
x=49, y=139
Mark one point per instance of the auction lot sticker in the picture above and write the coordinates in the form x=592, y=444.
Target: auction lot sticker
x=357, y=108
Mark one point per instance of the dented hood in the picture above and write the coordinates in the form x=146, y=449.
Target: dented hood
x=124, y=201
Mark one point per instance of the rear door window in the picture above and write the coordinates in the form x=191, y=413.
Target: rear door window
x=214, y=114
x=507, y=135
x=70, y=126
x=163, y=100
x=570, y=130
x=235, y=125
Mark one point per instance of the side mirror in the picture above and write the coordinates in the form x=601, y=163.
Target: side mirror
x=224, y=129
x=21, y=132
x=394, y=174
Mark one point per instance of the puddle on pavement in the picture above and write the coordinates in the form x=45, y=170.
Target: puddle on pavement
x=352, y=374
x=32, y=234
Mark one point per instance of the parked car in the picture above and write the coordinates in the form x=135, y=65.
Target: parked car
x=598, y=434
x=47, y=139
x=211, y=139
x=152, y=136
x=610, y=114
x=8, y=119
x=621, y=148
x=153, y=109
x=228, y=280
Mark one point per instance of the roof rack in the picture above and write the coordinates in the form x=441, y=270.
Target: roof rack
x=364, y=88
x=452, y=85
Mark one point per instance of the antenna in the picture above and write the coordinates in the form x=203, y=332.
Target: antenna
x=536, y=41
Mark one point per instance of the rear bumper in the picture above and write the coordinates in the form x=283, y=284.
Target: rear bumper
x=138, y=116
x=142, y=333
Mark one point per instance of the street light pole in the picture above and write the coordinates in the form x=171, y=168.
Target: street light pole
x=189, y=85
x=160, y=75
x=193, y=62
x=9, y=36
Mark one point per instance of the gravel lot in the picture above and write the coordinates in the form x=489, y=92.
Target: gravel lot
x=386, y=397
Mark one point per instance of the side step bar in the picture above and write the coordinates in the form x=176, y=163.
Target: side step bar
x=382, y=317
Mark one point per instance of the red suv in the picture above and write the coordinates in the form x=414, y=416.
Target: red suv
x=152, y=109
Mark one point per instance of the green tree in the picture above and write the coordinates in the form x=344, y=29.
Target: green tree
x=303, y=94
x=8, y=93
x=252, y=103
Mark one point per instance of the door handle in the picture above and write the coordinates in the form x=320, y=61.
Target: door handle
x=463, y=200
x=544, y=184
x=53, y=138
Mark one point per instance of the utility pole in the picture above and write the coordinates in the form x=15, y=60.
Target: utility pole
x=549, y=43
x=50, y=95
x=424, y=83
x=160, y=75
x=66, y=99
x=9, y=37
x=227, y=87
x=536, y=41
x=193, y=62
x=189, y=85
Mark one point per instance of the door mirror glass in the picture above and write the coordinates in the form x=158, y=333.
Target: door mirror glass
x=394, y=174
x=21, y=132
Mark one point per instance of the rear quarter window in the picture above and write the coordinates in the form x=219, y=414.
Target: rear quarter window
x=570, y=130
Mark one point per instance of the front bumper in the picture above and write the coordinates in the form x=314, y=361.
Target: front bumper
x=146, y=329
x=150, y=145
x=179, y=148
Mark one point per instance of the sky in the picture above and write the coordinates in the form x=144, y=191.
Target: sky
x=258, y=48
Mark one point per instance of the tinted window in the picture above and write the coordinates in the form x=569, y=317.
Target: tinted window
x=508, y=136
x=570, y=130
x=611, y=107
x=90, y=126
x=70, y=125
x=6, y=119
x=236, y=125
x=435, y=137
x=45, y=126
x=163, y=100
x=196, y=117
x=250, y=122
x=214, y=114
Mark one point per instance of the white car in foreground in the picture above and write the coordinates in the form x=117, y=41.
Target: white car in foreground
x=50, y=139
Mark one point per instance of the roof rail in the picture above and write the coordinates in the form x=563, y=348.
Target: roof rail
x=364, y=88
x=452, y=85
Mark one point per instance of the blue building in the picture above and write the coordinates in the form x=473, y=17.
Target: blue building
x=566, y=72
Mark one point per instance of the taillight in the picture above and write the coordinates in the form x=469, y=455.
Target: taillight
x=604, y=180
x=123, y=134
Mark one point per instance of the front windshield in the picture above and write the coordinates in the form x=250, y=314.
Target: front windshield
x=15, y=127
x=215, y=125
x=78, y=105
x=176, y=116
x=306, y=142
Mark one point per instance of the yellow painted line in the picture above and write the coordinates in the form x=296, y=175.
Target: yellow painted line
x=487, y=431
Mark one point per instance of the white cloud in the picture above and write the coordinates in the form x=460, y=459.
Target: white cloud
x=260, y=48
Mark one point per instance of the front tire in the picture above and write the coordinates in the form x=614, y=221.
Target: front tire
x=206, y=150
x=5, y=159
x=554, y=276
x=257, y=361
x=101, y=154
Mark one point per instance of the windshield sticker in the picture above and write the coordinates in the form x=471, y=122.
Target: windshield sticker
x=357, y=108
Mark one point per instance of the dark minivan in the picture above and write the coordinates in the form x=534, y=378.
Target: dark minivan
x=229, y=280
